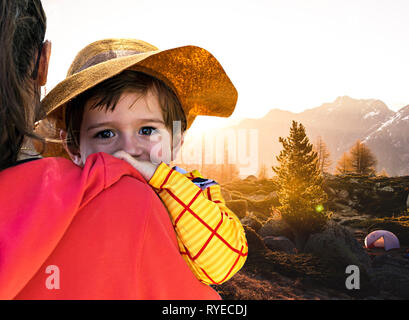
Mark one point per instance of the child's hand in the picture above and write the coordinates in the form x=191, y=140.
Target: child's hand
x=145, y=168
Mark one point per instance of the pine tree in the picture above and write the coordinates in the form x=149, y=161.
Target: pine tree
x=301, y=195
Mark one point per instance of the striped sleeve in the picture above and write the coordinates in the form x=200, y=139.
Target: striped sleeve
x=211, y=238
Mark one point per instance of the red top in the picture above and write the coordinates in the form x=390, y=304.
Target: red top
x=103, y=227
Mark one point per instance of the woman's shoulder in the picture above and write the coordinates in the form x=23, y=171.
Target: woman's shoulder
x=32, y=167
x=100, y=169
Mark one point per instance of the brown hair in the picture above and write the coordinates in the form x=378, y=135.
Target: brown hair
x=22, y=31
x=106, y=95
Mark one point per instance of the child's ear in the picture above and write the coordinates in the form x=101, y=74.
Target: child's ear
x=75, y=157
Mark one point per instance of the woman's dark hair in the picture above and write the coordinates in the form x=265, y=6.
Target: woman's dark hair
x=22, y=31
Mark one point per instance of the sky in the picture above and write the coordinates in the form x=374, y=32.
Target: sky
x=286, y=54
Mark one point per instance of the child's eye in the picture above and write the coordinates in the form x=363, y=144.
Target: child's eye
x=104, y=134
x=147, y=131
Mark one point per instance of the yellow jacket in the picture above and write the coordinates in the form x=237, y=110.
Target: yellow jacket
x=211, y=238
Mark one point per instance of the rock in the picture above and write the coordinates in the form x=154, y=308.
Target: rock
x=339, y=244
x=390, y=260
x=261, y=192
x=387, y=189
x=391, y=274
x=254, y=241
x=235, y=195
x=343, y=194
x=252, y=222
x=341, y=207
x=263, y=204
x=251, y=178
x=239, y=207
x=280, y=244
x=257, y=197
x=352, y=204
x=226, y=194
x=378, y=196
x=275, y=228
x=330, y=191
x=262, y=217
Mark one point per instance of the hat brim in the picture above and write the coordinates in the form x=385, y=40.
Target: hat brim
x=195, y=75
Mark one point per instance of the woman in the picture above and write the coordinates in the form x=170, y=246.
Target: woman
x=66, y=232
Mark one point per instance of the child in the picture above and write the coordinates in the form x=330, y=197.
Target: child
x=122, y=97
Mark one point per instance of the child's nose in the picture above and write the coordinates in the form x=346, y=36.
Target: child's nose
x=131, y=146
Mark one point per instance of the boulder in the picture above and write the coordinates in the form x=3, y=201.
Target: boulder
x=275, y=228
x=391, y=274
x=261, y=192
x=379, y=196
x=343, y=194
x=280, y=244
x=226, y=194
x=330, y=191
x=387, y=189
x=235, y=195
x=261, y=216
x=337, y=243
x=264, y=204
x=251, y=178
x=254, y=241
x=239, y=207
x=252, y=222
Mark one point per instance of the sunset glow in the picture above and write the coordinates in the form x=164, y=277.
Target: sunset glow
x=292, y=55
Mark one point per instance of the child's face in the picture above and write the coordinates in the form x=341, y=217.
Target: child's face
x=136, y=126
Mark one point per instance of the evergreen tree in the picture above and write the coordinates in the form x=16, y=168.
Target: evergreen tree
x=301, y=195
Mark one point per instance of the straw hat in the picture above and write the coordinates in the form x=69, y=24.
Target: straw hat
x=196, y=77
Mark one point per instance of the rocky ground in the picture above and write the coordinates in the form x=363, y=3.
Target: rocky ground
x=275, y=270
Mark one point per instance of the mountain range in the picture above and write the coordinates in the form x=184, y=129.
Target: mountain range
x=340, y=124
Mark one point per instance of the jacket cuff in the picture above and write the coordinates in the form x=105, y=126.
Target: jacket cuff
x=160, y=175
